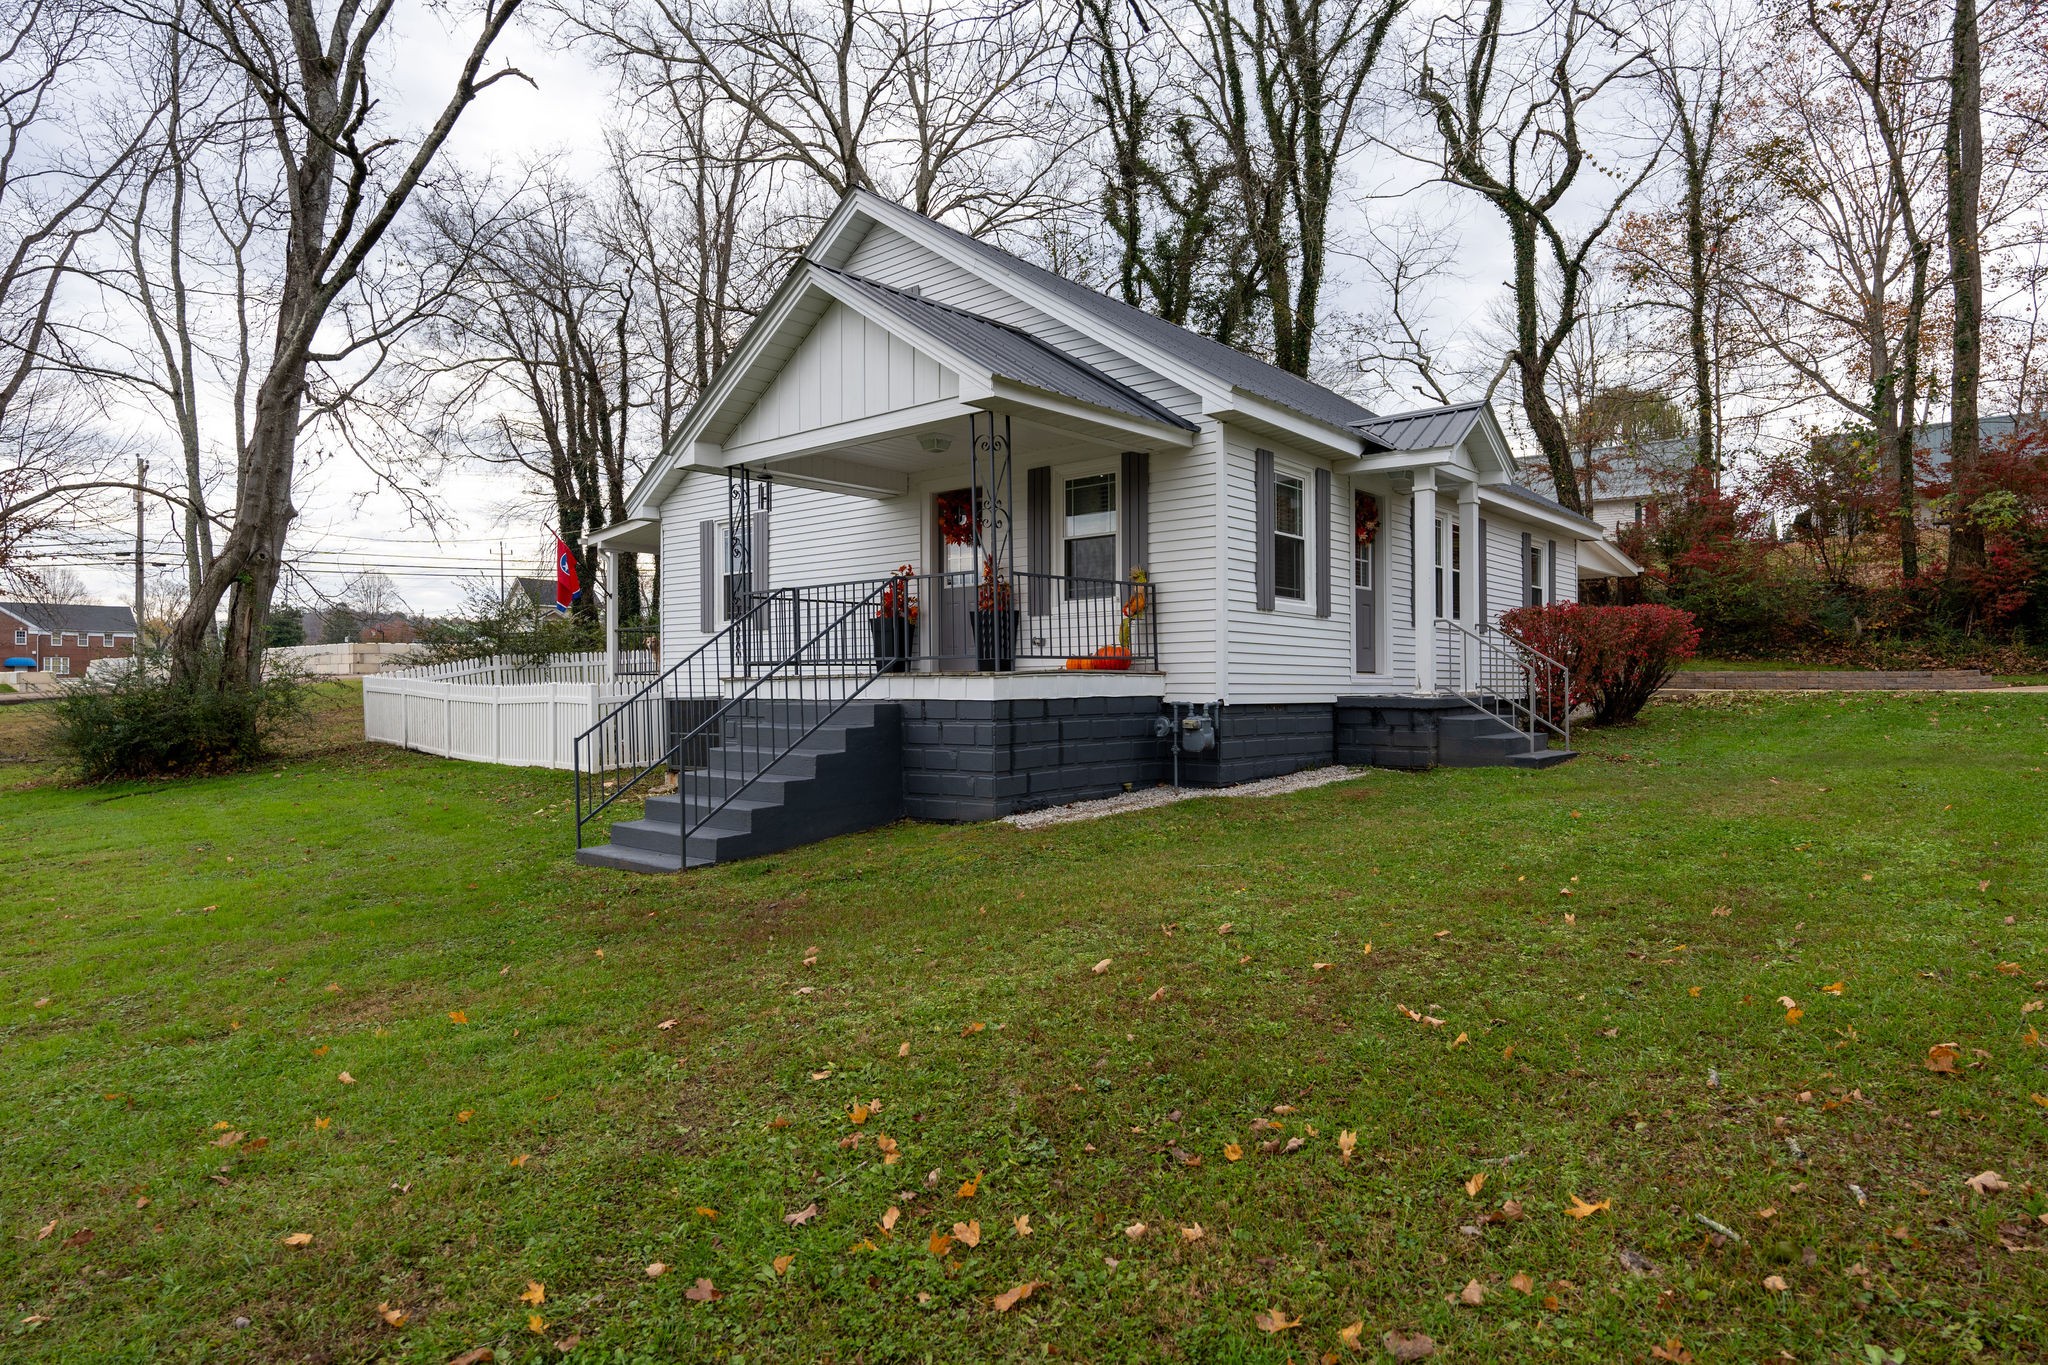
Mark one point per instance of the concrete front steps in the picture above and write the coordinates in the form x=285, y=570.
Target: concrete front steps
x=1472, y=740
x=845, y=776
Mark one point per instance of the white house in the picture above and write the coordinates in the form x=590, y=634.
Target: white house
x=920, y=417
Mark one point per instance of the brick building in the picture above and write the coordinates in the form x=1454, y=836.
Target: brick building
x=63, y=639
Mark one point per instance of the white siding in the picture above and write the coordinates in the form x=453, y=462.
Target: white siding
x=1183, y=535
x=888, y=257
x=846, y=368
x=1288, y=653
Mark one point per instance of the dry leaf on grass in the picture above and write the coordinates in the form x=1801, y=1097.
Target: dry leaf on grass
x=299, y=1239
x=1350, y=1335
x=1232, y=1152
x=1987, y=1182
x=889, y=1218
x=1347, y=1141
x=1156, y=996
x=1135, y=1231
x=43, y=1232
x=1192, y=1233
x=968, y=1187
x=975, y=1027
x=656, y=1269
x=1581, y=1209
x=1475, y=1184
x=904, y=1051
x=1274, y=1320
x=346, y=1079
x=802, y=1215
x=1942, y=1057
x=1010, y=1298
x=1419, y=1346
x=1022, y=1223
x=536, y=1324
x=1102, y=966
x=457, y=1017
x=1673, y=1351
x=702, y=1211
x=783, y=1262
x=968, y=1234
x=1473, y=1294
x=393, y=1317
x=482, y=1355
x=536, y=1293
x=939, y=1244
x=703, y=1292
x=858, y=1116
x=1776, y=1284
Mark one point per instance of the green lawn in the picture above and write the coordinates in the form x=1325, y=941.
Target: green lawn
x=561, y=1075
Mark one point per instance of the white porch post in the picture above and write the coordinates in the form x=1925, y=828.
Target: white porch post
x=1422, y=569
x=1472, y=563
x=611, y=615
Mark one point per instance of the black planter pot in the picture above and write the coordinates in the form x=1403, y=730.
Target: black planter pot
x=895, y=643
x=995, y=640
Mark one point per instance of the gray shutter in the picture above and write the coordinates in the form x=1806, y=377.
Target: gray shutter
x=1528, y=580
x=1550, y=575
x=1262, y=526
x=707, y=576
x=1411, y=561
x=1038, y=540
x=1483, y=620
x=758, y=560
x=1321, y=532
x=1135, y=492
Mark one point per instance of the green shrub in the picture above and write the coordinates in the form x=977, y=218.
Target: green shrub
x=145, y=723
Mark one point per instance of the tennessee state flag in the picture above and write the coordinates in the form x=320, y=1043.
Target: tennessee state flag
x=567, y=587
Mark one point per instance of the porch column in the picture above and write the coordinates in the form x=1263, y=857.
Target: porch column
x=611, y=615
x=1422, y=576
x=1472, y=565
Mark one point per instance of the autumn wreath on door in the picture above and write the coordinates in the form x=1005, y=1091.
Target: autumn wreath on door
x=1368, y=517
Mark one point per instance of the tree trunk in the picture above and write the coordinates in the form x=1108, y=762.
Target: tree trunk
x=1964, y=156
x=1706, y=454
x=1530, y=369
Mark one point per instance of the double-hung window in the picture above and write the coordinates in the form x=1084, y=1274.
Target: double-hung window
x=1457, y=572
x=20, y=636
x=1290, y=538
x=1090, y=537
x=1536, y=576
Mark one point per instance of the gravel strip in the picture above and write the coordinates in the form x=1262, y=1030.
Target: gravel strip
x=1166, y=796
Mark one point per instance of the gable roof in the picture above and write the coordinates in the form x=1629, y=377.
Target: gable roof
x=1427, y=429
x=1006, y=352
x=80, y=618
x=1228, y=364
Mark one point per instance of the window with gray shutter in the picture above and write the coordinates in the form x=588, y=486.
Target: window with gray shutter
x=1321, y=531
x=1262, y=527
x=707, y=576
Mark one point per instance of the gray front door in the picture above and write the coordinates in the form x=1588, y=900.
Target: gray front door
x=1365, y=612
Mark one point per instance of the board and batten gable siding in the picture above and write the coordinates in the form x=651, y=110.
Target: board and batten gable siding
x=846, y=368
x=888, y=257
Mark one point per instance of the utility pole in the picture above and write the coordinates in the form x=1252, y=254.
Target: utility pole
x=141, y=481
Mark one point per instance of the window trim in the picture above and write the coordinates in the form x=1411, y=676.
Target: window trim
x=1300, y=537
x=1074, y=474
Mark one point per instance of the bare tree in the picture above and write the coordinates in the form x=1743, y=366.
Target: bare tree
x=1963, y=159
x=1510, y=109
x=1407, y=259
x=312, y=71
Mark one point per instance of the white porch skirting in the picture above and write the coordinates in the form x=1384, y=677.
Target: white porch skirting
x=531, y=725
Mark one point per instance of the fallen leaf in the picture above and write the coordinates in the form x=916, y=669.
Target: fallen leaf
x=346, y=1079
x=802, y=1215
x=1794, y=1015
x=299, y=1239
x=1156, y=996
x=457, y=1017
x=703, y=1212
x=656, y=1269
x=1581, y=1209
x=1473, y=1294
x=783, y=1262
x=1834, y=989
x=858, y=1116
x=1010, y=1298
x=975, y=1027
x=1475, y=1185
x=1321, y=966
x=1510, y=1210
x=536, y=1324
x=1776, y=1284
x=536, y=1293
x=890, y=1153
x=393, y=1317
x=1942, y=1057
x=482, y=1355
x=904, y=1051
x=1135, y=1231
x=1347, y=1141
x=1224, y=927
x=1522, y=1283
x=520, y=1160
x=1674, y=1349
x=465, y=1115
x=569, y=1343
x=968, y=1187
x=1419, y=1346
x=322, y=1124
x=703, y=1292
x=78, y=1238
x=229, y=1138
x=1274, y=1320
x=1350, y=1335
x=1232, y=1152
x=939, y=1244
x=1192, y=1233
x=968, y=1234
x=1987, y=1182
x=1022, y=1222
x=1102, y=966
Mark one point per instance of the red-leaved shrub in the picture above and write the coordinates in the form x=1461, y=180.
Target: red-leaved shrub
x=1617, y=656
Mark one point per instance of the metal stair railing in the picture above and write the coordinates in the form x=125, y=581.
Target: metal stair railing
x=644, y=733
x=1489, y=670
x=832, y=665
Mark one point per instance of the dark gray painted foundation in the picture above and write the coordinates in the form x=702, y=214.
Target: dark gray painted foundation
x=977, y=760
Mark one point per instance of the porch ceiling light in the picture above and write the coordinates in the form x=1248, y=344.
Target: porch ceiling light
x=934, y=442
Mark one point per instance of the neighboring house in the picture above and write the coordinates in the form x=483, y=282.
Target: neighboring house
x=1624, y=477
x=1322, y=579
x=65, y=639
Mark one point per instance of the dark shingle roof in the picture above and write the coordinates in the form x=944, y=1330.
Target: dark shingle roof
x=80, y=618
x=1428, y=429
x=1008, y=353
x=1228, y=364
x=1530, y=495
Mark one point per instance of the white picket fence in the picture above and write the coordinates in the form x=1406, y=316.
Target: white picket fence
x=495, y=710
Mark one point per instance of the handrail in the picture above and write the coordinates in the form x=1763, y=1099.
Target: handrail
x=626, y=729
x=751, y=707
x=1505, y=670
